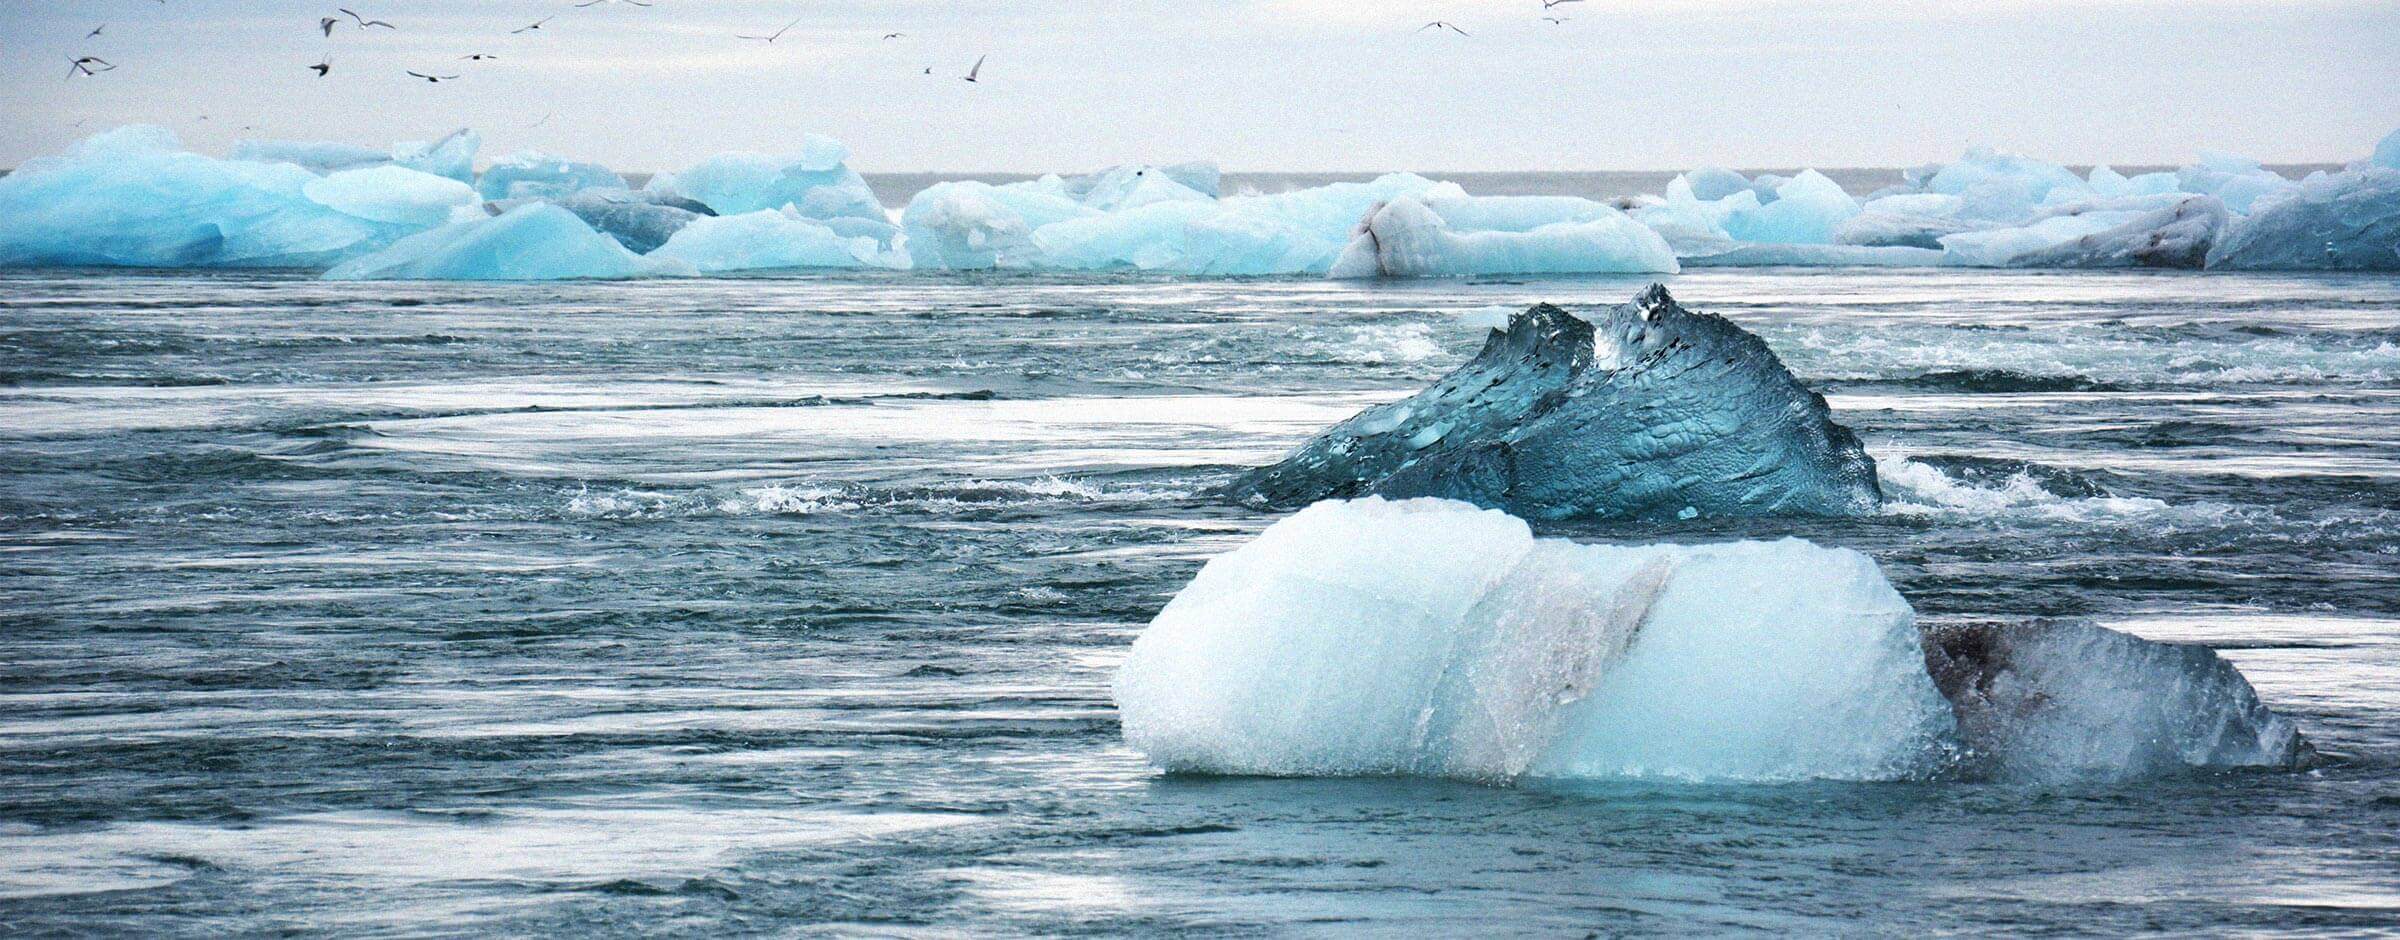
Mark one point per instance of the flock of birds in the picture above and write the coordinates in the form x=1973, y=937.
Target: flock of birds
x=92, y=65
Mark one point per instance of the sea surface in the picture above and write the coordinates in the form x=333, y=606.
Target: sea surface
x=790, y=605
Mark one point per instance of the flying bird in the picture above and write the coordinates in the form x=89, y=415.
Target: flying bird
x=85, y=64
x=1442, y=24
x=436, y=79
x=893, y=35
x=1555, y=20
x=477, y=57
x=364, y=22
x=978, y=69
x=771, y=37
x=537, y=24
x=929, y=70
x=95, y=31
x=1547, y=4
x=322, y=67
x=325, y=24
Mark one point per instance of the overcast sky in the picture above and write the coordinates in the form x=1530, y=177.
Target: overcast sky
x=1253, y=84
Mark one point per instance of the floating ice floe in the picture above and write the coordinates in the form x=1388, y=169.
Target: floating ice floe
x=2347, y=221
x=633, y=219
x=533, y=242
x=536, y=175
x=770, y=240
x=452, y=156
x=816, y=183
x=1432, y=638
x=1643, y=410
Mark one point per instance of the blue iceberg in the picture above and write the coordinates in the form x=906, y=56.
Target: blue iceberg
x=536, y=175
x=1446, y=233
x=533, y=242
x=817, y=183
x=1645, y=410
x=772, y=240
x=2347, y=221
x=135, y=197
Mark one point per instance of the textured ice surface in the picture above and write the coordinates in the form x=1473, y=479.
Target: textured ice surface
x=133, y=196
x=316, y=156
x=817, y=182
x=768, y=240
x=1430, y=637
x=972, y=225
x=1447, y=233
x=533, y=242
x=536, y=175
x=1647, y=410
x=2048, y=700
x=631, y=218
x=2348, y=221
x=395, y=194
x=2178, y=235
x=452, y=156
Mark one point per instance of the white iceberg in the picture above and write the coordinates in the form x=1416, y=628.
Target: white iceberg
x=1429, y=637
x=2348, y=221
x=817, y=182
x=452, y=156
x=971, y=225
x=1447, y=233
x=533, y=242
x=769, y=240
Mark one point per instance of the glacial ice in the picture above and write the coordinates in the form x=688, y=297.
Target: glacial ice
x=393, y=193
x=2347, y=221
x=134, y=197
x=1446, y=233
x=536, y=175
x=533, y=242
x=1642, y=410
x=2048, y=700
x=817, y=182
x=633, y=219
x=1429, y=637
x=770, y=240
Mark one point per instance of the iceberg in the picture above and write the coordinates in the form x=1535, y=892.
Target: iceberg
x=535, y=175
x=1643, y=410
x=533, y=242
x=134, y=197
x=2347, y=221
x=2049, y=700
x=452, y=156
x=1429, y=637
x=970, y=225
x=393, y=193
x=2178, y=235
x=767, y=240
x=817, y=182
x=1447, y=233
x=1805, y=211
x=633, y=219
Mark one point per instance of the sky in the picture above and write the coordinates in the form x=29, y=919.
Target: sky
x=1298, y=85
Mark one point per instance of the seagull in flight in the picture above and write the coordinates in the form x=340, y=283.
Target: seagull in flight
x=1442, y=24
x=323, y=66
x=436, y=79
x=85, y=64
x=325, y=24
x=1547, y=4
x=1555, y=20
x=771, y=37
x=537, y=24
x=364, y=22
x=95, y=31
x=477, y=57
x=971, y=73
x=893, y=35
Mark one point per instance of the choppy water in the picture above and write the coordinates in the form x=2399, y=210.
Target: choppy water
x=790, y=605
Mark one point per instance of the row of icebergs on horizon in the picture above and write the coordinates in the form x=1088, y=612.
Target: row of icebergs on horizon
x=135, y=197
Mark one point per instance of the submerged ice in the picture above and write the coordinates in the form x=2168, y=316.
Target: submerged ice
x=1643, y=410
x=1429, y=637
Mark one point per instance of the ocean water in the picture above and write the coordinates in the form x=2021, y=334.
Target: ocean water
x=790, y=606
